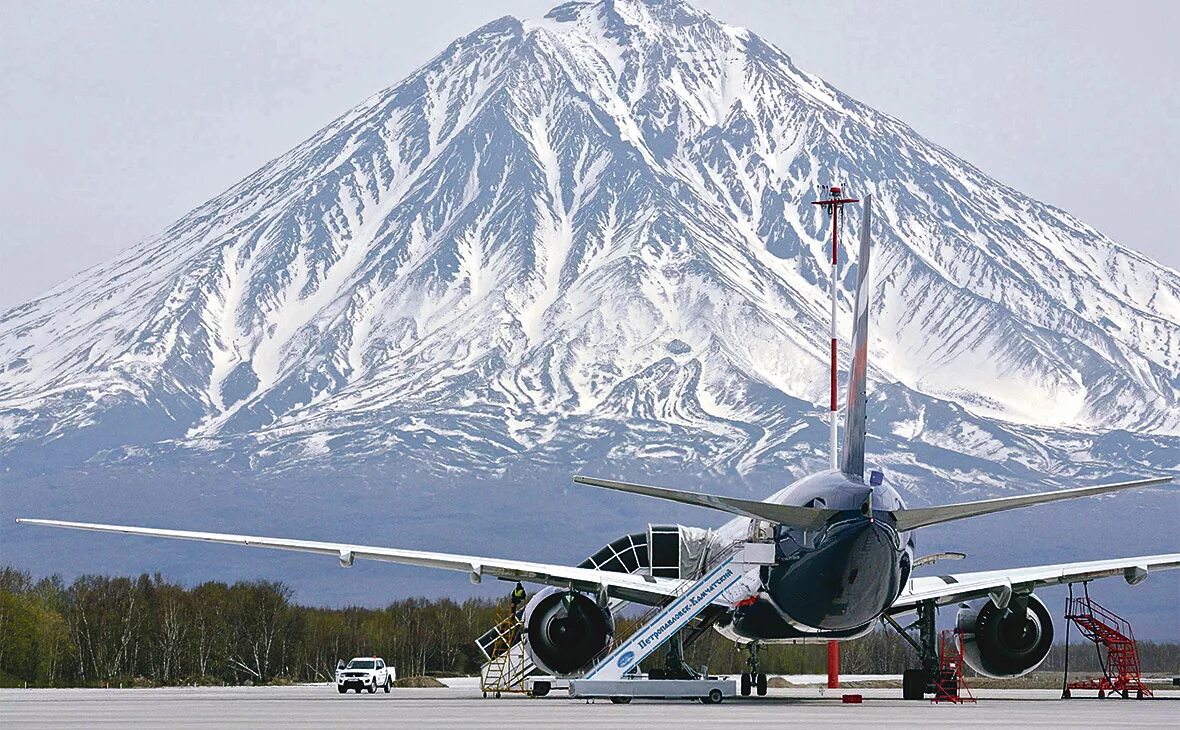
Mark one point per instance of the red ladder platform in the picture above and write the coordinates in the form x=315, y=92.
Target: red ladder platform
x=949, y=684
x=1118, y=653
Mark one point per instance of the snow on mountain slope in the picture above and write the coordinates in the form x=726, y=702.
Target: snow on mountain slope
x=590, y=238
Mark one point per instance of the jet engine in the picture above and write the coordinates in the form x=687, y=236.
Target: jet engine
x=564, y=631
x=1005, y=642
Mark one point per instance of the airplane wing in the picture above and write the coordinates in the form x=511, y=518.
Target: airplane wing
x=636, y=588
x=946, y=589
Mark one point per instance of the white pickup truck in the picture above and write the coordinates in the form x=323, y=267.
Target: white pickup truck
x=366, y=672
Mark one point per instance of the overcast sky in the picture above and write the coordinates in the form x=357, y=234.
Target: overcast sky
x=119, y=117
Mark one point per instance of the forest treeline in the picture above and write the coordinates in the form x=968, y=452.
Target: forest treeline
x=102, y=631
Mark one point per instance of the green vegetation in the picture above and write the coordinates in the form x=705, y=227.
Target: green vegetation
x=146, y=631
x=102, y=631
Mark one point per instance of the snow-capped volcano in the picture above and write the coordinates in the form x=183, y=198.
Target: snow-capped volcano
x=590, y=237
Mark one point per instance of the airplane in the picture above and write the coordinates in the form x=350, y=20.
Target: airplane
x=843, y=561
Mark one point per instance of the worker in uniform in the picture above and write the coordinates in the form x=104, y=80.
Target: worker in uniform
x=518, y=596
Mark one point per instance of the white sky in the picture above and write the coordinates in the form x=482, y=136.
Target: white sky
x=119, y=117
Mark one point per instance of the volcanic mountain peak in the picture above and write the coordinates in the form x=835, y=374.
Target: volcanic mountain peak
x=596, y=227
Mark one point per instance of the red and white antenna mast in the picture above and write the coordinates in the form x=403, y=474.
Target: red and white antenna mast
x=834, y=204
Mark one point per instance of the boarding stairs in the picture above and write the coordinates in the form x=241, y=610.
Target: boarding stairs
x=949, y=683
x=680, y=609
x=1117, y=651
x=508, y=664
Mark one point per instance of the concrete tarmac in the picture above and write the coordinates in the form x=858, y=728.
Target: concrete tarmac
x=321, y=707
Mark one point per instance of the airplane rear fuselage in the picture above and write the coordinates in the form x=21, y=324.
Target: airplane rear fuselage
x=835, y=580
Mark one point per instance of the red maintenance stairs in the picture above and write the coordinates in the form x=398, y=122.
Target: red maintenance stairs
x=1117, y=651
x=949, y=684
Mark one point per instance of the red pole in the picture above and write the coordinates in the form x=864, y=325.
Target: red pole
x=833, y=646
x=833, y=404
x=833, y=665
x=835, y=228
x=835, y=202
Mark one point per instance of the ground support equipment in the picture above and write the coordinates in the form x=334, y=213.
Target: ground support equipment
x=709, y=690
x=949, y=683
x=1118, y=654
x=616, y=676
x=508, y=664
x=917, y=683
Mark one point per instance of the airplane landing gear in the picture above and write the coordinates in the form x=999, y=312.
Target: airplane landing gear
x=753, y=679
x=913, y=684
x=916, y=683
x=675, y=667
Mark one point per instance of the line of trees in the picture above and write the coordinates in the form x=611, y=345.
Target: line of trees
x=105, y=631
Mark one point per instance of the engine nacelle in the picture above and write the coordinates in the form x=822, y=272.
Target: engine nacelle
x=564, y=631
x=1005, y=642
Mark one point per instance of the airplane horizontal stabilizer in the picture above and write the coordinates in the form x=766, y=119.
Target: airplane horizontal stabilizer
x=804, y=518
x=910, y=519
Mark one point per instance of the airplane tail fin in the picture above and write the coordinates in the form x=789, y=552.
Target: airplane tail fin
x=852, y=454
x=910, y=519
